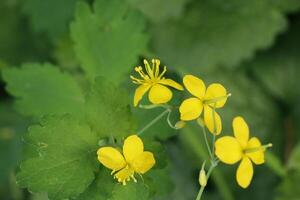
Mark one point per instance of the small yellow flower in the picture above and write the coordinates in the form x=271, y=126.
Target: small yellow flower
x=133, y=160
x=230, y=150
x=205, y=99
x=154, y=81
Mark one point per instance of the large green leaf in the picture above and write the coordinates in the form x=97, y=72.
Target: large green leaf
x=109, y=39
x=215, y=32
x=108, y=111
x=66, y=158
x=43, y=89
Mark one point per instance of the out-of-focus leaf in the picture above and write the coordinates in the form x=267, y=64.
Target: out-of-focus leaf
x=16, y=41
x=158, y=11
x=12, y=127
x=109, y=39
x=65, y=163
x=215, y=32
x=43, y=89
x=288, y=189
x=50, y=16
x=159, y=182
x=278, y=69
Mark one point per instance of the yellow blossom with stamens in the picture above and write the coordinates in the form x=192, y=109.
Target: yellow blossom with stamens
x=205, y=100
x=154, y=81
x=230, y=150
x=134, y=159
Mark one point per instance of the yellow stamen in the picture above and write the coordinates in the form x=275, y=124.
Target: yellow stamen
x=141, y=72
x=148, y=69
x=163, y=72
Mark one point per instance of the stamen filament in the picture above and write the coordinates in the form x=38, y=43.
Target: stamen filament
x=261, y=148
x=215, y=100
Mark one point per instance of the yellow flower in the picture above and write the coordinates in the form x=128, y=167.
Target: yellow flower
x=133, y=160
x=205, y=100
x=154, y=81
x=230, y=150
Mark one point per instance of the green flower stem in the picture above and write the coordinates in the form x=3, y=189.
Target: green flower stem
x=206, y=142
x=190, y=138
x=154, y=121
x=212, y=166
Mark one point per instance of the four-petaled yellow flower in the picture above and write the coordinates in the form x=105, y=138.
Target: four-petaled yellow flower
x=133, y=160
x=214, y=96
x=230, y=150
x=154, y=81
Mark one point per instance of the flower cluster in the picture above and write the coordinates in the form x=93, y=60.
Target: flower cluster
x=206, y=100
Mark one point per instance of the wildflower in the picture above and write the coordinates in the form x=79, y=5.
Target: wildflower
x=154, y=81
x=230, y=150
x=206, y=100
x=134, y=159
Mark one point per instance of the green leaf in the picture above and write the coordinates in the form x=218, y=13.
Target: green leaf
x=215, y=32
x=66, y=158
x=167, y=9
x=43, y=89
x=49, y=16
x=132, y=191
x=109, y=39
x=101, y=188
x=108, y=111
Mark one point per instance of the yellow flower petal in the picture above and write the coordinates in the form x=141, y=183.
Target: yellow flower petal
x=240, y=130
x=133, y=146
x=142, y=163
x=139, y=93
x=194, y=85
x=257, y=157
x=228, y=150
x=244, y=173
x=111, y=158
x=159, y=94
x=212, y=120
x=218, y=93
x=170, y=82
x=190, y=109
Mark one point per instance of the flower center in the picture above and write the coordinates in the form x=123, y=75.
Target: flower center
x=125, y=174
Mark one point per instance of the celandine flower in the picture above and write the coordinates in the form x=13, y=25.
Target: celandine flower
x=154, y=81
x=134, y=159
x=214, y=96
x=230, y=150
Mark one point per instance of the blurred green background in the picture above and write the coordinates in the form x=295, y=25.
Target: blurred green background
x=251, y=47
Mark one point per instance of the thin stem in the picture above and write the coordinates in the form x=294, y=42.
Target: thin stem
x=215, y=130
x=206, y=142
x=169, y=120
x=153, y=121
x=212, y=166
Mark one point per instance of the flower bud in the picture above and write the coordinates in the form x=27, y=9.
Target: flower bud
x=180, y=124
x=202, y=178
